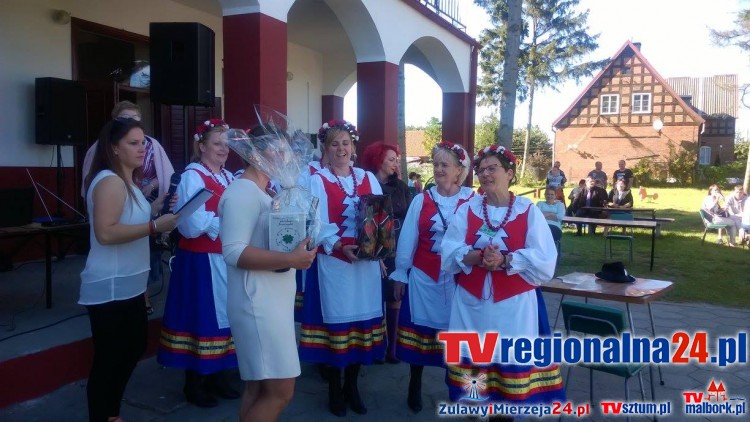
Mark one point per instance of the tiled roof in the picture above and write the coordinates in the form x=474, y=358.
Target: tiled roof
x=414, y=146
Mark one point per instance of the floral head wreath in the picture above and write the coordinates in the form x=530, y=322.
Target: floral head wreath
x=457, y=150
x=208, y=125
x=494, y=150
x=338, y=124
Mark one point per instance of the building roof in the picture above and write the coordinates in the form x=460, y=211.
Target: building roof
x=414, y=147
x=713, y=95
x=637, y=51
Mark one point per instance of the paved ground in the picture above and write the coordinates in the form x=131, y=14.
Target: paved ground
x=154, y=393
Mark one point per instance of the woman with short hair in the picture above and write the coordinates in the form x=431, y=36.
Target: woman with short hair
x=500, y=249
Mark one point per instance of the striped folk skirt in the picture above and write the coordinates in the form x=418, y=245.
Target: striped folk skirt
x=190, y=336
x=338, y=345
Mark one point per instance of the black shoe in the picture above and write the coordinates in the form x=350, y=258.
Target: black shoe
x=351, y=391
x=220, y=385
x=351, y=395
x=415, y=396
x=196, y=392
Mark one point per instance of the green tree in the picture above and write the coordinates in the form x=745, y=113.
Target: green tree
x=485, y=132
x=555, y=40
x=539, y=143
x=433, y=134
x=741, y=148
x=738, y=36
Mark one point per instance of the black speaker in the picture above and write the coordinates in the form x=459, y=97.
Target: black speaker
x=60, y=112
x=182, y=63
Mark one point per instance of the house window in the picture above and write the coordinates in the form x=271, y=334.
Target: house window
x=641, y=103
x=704, y=157
x=610, y=104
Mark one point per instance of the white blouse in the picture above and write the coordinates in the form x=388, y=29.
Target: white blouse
x=116, y=272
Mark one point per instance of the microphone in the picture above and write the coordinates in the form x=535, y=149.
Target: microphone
x=173, y=182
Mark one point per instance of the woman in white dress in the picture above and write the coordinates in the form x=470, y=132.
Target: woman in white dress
x=500, y=248
x=427, y=292
x=260, y=303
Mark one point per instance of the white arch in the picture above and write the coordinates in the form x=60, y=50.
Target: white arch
x=361, y=29
x=401, y=26
x=433, y=57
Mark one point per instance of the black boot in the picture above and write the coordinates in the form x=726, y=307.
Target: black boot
x=220, y=384
x=196, y=392
x=336, y=403
x=414, y=399
x=351, y=391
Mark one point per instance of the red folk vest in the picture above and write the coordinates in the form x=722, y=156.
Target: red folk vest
x=337, y=207
x=431, y=231
x=503, y=285
x=203, y=243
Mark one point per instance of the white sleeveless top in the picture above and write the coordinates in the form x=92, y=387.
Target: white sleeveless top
x=116, y=272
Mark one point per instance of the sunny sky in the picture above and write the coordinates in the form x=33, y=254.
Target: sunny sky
x=674, y=38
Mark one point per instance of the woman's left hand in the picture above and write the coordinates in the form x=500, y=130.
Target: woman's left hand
x=350, y=251
x=383, y=269
x=492, y=258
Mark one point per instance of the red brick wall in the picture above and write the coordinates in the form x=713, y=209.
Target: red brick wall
x=578, y=148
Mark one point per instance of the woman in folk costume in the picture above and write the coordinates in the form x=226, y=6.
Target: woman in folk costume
x=500, y=248
x=342, y=318
x=427, y=291
x=304, y=180
x=195, y=334
x=382, y=160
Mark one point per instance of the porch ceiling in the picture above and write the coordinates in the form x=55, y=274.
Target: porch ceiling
x=209, y=6
x=312, y=24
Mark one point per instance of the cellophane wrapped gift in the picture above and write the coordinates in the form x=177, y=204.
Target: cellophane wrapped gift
x=282, y=152
x=375, y=227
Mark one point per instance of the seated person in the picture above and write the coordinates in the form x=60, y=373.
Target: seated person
x=734, y=205
x=591, y=196
x=712, y=205
x=553, y=211
x=620, y=196
x=573, y=196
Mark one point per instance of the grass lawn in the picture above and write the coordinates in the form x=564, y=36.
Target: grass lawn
x=707, y=273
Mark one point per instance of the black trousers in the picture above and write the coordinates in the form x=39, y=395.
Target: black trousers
x=119, y=332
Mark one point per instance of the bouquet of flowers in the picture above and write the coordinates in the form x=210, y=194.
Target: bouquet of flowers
x=282, y=152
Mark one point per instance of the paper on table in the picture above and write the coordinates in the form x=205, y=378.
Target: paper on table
x=193, y=204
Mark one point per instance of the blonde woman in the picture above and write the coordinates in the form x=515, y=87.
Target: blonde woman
x=195, y=333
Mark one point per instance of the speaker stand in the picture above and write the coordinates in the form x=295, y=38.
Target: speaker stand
x=60, y=184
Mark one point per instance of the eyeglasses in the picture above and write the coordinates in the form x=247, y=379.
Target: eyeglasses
x=489, y=169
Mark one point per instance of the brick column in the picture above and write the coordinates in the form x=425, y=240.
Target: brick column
x=332, y=107
x=377, y=103
x=456, y=118
x=255, y=66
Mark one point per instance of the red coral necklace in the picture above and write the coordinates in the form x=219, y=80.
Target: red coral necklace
x=213, y=175
x=341, y=186
x=486, y=216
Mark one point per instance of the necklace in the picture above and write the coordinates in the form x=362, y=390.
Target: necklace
x=507, y=213
x=213, y=175
x=341, y=186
